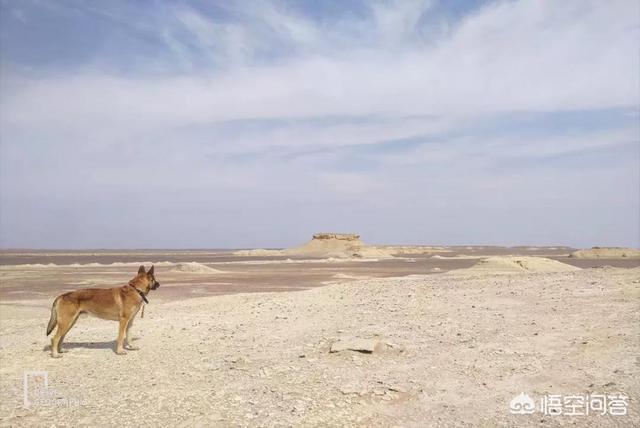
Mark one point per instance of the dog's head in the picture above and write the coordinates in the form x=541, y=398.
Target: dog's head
x=149, y=278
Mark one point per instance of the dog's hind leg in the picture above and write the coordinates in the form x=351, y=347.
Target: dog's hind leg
x=122, y=330
x=54, y=344
x=65, y=334
x=65, y=322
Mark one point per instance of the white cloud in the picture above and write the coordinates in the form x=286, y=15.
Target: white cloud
x=396, y=22
x=513, y=56
x=176, y=133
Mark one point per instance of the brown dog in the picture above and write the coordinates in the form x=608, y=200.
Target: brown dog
x=117, y=304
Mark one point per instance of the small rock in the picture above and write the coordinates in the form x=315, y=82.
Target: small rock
x=397, y=388
x=366, y=346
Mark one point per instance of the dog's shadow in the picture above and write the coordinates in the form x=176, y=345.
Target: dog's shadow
x=87, y=345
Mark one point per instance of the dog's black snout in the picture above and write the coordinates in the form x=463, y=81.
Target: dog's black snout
x=156, y=285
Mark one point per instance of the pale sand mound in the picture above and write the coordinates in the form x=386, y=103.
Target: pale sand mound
x=458, y=257
x=259, y=252
x=518, y=264
x=606, y=253
x=347, y=276
x=412, y=249
x=338, y=245
x=194, y=267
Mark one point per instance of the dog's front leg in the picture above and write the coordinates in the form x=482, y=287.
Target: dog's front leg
x=121, y=334
x=127, y=338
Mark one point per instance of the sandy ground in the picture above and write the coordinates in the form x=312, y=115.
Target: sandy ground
x=451, y=349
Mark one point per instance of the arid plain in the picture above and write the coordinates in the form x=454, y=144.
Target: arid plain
x=333, y=333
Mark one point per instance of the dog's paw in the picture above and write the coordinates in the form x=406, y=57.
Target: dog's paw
x=121, y=352
x=131, y=348
x=56, y=356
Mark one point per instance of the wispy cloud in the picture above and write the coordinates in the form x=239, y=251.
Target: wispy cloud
x=272, y=109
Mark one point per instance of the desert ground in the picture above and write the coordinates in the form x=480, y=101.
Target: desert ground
x=386, y=336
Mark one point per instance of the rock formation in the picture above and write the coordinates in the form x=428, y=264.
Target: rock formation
x=324, y=245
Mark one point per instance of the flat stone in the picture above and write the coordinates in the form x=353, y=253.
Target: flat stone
x=349, y=389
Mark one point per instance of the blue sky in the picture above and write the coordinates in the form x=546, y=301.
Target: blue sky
x=157, y=124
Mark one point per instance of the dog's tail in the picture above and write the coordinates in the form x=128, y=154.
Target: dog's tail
x=54, y=317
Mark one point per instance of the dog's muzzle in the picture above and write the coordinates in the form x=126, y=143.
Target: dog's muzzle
x=155, y=285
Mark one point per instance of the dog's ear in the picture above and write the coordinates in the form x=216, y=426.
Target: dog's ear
x=140, y=269
x=150, y=270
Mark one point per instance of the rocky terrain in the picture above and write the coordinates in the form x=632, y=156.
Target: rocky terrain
x=449, y=349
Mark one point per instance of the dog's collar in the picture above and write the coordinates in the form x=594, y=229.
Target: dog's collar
x=144, y=298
